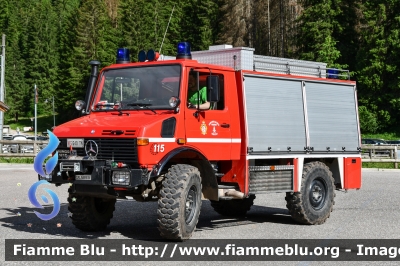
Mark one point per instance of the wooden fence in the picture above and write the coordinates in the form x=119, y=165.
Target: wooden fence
x=381, y=154
x=18, y=148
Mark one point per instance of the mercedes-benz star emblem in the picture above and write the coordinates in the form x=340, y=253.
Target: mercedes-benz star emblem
x=91, y=148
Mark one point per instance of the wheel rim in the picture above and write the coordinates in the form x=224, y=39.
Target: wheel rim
x=317, y=193
x=190, y=204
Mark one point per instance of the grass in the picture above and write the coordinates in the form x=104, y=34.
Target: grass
x=28, y=160
x=385, y=136
x=378, y=165
x=44, y=123
x=16, y=160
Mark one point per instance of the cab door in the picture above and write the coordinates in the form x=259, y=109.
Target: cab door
x=209, y=131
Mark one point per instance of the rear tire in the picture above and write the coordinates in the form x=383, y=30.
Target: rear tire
x=314, y=203
x=90, y=213
x=179, y=203
x=233, y=207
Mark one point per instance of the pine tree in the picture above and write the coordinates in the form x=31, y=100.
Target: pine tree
x=317, y=24
x=16, y=89
x=266, y=25
x=145, y=23
x=236, y=26
x=138, y=25
x=42, y=51
x=347, y=32
x=94, y=39
x=4, y=13
x=197, y=28
x=379, y=61
x=173, y=31
x=66, y=11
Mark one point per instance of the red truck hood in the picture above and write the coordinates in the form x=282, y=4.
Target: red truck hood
x=108, y=125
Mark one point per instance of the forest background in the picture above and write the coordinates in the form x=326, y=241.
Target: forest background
x=50, y=42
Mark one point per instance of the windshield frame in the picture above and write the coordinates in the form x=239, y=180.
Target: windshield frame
x=96, y=105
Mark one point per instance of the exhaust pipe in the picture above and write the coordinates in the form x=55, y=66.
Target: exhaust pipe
x=230, y=193
x=92, y=81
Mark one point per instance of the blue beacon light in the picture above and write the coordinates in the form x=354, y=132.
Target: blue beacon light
x=142, y=56
x=123, y=56
x=151, y=55
x=183, y=50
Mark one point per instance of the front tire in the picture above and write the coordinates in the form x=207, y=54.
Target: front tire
x=179, y=202
x=90, y=213
x=314, y=203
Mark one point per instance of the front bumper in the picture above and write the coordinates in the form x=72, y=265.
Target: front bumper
x=95, y=172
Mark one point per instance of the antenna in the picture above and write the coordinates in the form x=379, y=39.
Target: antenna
x=165, y=33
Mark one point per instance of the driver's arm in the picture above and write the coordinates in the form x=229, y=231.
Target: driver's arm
x=204, y=106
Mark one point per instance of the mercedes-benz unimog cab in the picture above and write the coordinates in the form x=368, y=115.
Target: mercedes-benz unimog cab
x=273, y=125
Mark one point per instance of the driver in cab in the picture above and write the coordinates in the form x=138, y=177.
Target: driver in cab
x=193, y=95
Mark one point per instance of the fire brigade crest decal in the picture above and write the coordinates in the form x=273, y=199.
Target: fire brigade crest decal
x=214, y=124
x=203, y=128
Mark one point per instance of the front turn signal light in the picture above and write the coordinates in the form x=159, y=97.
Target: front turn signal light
x=142, y=141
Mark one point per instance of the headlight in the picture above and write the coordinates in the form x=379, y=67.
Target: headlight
x=121, y=178
x=174, y=101
x=79, y=105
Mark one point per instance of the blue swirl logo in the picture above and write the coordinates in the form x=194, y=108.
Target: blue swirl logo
x=44, y=172
x=35, y=202
x=52, y=162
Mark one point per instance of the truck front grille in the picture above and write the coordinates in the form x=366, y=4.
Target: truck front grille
x=119, y=150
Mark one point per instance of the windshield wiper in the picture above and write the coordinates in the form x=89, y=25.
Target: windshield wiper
x=105, y=104
x=113, y=105
x=120, y=113
x=139, y=104
x=145, y=105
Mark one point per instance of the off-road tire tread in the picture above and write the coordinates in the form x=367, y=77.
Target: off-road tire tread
x=171, y=194
x=294, y=199
x=233, y=207
x=84, y=217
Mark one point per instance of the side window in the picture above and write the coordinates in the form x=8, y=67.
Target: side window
x=203, y=83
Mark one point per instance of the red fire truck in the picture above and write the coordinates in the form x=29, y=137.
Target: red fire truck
x=273, y=125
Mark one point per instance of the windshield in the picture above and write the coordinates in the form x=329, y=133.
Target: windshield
x=137, y=88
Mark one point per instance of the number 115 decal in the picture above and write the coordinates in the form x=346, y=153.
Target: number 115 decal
x=156, y=148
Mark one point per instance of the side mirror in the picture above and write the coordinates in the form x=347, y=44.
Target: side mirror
x=212, y=89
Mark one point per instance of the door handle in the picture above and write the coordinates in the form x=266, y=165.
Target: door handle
x=224, y=125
